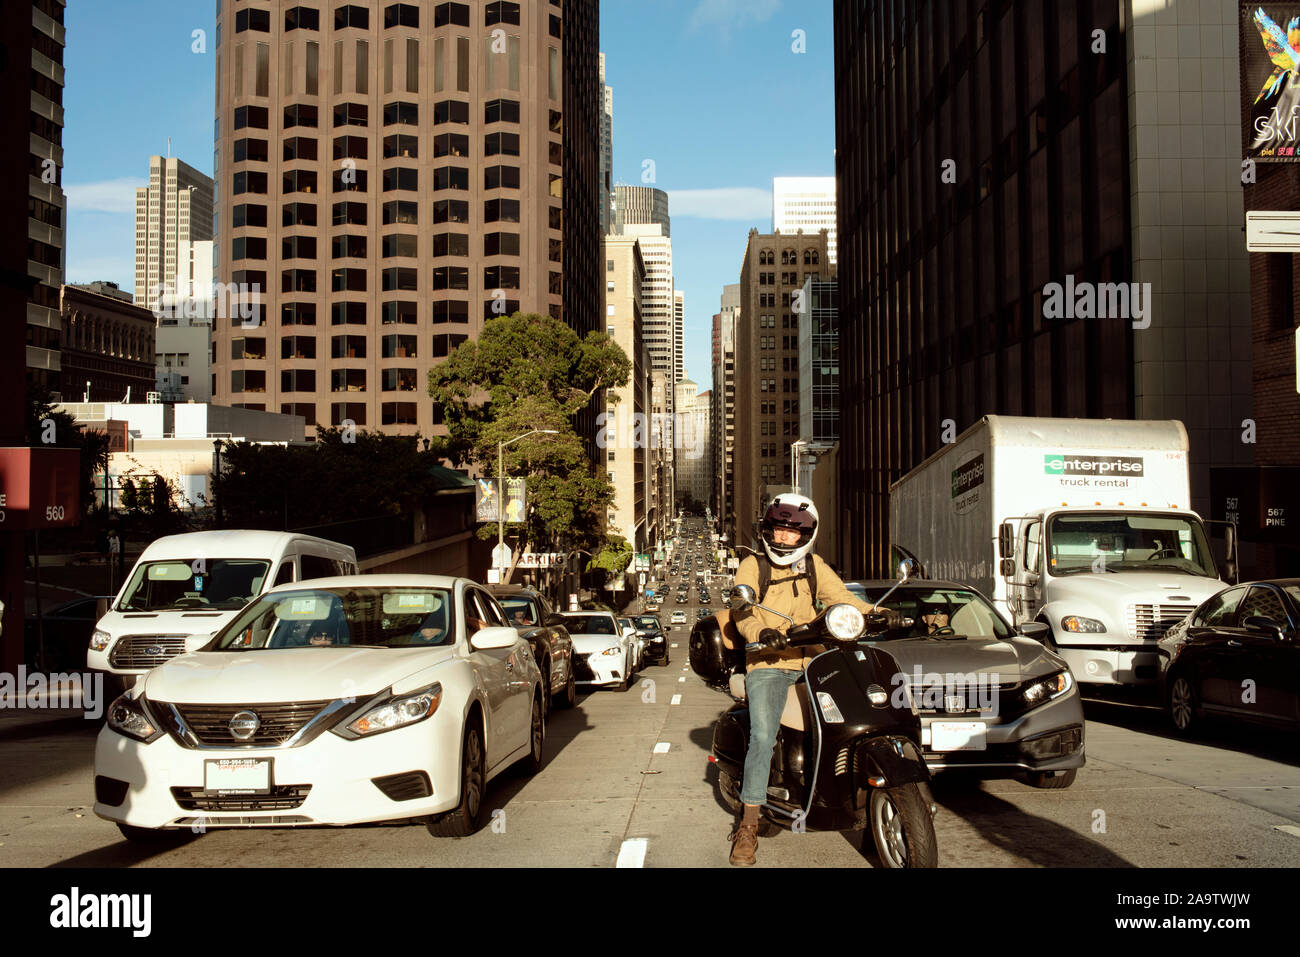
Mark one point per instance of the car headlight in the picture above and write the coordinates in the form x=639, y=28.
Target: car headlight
x=99, y=640
x=399, y=712
x=1078, y=625
x=127, y=716
x=844, y=621
x=611, y=652
x=1044, y=690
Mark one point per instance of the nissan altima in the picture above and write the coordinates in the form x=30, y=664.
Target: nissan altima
x=332, y=701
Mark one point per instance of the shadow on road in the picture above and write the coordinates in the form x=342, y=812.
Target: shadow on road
x=125, y=853
x=1141, y=713
x=1035, y=840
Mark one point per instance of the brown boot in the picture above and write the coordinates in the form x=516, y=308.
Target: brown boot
x=745, y=838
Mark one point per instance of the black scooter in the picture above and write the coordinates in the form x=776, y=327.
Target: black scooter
x=847, y=755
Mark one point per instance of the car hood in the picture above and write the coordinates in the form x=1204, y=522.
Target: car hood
x=1012, y=660
x=1138, y=586
x=285, y=674
x=589, y=644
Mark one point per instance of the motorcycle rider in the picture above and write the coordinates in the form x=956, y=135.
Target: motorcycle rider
x=788, y=530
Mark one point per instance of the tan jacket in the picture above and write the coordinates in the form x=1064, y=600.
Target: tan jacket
x=793, y=598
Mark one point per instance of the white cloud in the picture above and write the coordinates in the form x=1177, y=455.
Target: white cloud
x=732, y=13
x=740, y=202
x=106, y=196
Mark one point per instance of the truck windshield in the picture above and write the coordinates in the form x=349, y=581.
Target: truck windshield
x=1096, y=542
x=211, y=584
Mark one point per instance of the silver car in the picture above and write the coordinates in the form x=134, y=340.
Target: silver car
x=992, y=699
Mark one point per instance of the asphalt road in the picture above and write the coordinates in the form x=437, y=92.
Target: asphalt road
x=626, y=782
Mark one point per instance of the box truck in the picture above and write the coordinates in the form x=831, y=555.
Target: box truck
x=1082, y=524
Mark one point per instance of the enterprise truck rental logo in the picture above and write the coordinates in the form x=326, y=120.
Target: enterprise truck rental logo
x=1102, y=466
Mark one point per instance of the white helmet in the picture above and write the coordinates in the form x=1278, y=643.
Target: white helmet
x=789, y=511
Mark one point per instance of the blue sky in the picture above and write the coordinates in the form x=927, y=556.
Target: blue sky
x=710, y=90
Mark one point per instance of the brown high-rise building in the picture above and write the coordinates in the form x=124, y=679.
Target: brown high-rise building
x=392, y=175
x=767, y=366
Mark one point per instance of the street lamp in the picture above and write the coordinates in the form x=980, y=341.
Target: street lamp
x=501, y=489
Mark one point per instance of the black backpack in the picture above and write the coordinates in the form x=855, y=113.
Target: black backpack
x=765, y=577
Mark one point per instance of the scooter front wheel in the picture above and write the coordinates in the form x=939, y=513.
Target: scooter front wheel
x=902, y=827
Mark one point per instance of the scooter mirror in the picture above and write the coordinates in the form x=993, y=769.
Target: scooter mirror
x=742, y=596
x=906, y=568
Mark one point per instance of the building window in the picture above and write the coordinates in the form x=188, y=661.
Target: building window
x=298, y=380
x=249, y=149
x=451, y=14
x=401, y=178
x=350, y=147
x=399, y=313
x=450, y=277
x=501, y=210
x=347, y=247
x=300, y=148
x=401, y=211
x=501, y=111
x=400, y=144
x=501, y=277
x=248, y=380
x=306, y=409
x=349, y=214
x=450, y=111
x=349, y=280
x=398, y=278
x=451, y=211
x=450, y=177
x=445, y=344
x=401, y=15
x=245, y=247
x=354, y=412
x=400, y=245
x=251, y=19
x=351, y=114
x=406, y=114
x=451, y=144
x=298, y=247
x=244, y=347
x=501, y=144
x=398, y=380
x=300, y=114
x=298, y=314
x=351, y=16
x=501, y=11
x=301, y=18
x=298, y=280
x=398, y=413
x=348, y=314
x=500, y=177
x=347, y=347
x=450, y=244
x=448, y=310
x=299, y=181
x=251, y=117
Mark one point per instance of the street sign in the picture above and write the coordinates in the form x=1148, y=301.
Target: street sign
x=39, y=488
x=501, y=556
x=494, y=576
x=1270, y=231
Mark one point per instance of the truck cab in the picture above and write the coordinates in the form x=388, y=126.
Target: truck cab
x=1108, y=583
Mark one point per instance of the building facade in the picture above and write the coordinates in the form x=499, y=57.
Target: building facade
x=805, y=203
x=171, y=213
x=772, y=275
x=1047, y=226
x=723, y=414
x=641, y=206
x=391, y=176
x=625, y=444
x=606, y=153
x=108, y=345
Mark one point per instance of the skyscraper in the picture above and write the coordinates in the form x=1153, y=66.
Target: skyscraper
x=807, y=203
x=657, y=298
x=174, y=210
x=679, y=335
x=641, y=206
x=606, y=152
x=723, y=419
x=391, y=176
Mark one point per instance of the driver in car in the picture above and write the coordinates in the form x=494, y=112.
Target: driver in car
x=935, y=617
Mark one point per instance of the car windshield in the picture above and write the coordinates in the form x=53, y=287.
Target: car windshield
x=342, y=617
x=1097, y=542
x=939, y=612
x=208, y=584
x=520, y=612
x=648, y=622
x=590, y=624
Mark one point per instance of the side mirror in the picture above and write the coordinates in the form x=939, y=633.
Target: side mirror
x=906, y=568
x=742, y=596
x=1228, y=571
x=1006, y=541
x=491, y=639
x=1007, y=566
x=1230, y=541
x=1266, y=625
x=1033, y=629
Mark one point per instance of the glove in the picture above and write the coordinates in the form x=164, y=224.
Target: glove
x=773, y=639
x=884, y=619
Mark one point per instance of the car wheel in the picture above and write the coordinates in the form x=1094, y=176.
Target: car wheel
x=536, y=739
x=569, y=696
x=1181, y=704
x=468, y=815
x=1052, y=780
x=902, y=827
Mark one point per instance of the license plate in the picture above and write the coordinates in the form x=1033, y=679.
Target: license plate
x=957, y=736
x=237, y=776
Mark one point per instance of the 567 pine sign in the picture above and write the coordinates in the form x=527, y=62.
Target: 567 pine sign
x=39, y=488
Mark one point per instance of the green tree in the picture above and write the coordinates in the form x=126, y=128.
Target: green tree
x=45, y=423
x=526, y=372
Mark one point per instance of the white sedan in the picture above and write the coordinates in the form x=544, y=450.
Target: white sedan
x=603, y=654
x=332, y=701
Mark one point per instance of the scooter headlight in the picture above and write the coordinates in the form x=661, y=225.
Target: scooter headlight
x=844, y=621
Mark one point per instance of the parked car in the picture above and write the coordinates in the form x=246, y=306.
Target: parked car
x=635, y=639
x=649, y=627
x=992, y=699
x=603, y=655
x=528, y=610
x=68, y=627
x=336, y=701
x=1236, y=656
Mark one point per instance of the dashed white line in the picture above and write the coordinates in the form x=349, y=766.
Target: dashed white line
x=677, y=699
x=681, y=679
x=1289, y=829
x=632, y=853
x=662, y=747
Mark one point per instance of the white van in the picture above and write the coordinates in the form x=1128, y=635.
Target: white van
x=186, y=587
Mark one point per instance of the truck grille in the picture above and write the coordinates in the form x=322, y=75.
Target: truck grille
x=279, y=722
x=1150, y=622
x=146, y=651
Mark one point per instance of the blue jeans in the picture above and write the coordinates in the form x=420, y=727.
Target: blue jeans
x=765, y=691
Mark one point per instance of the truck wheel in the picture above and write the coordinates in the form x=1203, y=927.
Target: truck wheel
x=902, y=827
x=1052, y=780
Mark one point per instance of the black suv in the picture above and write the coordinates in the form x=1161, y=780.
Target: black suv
x=531, y=614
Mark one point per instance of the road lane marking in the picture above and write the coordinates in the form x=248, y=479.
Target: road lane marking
x=662, y=747
x=1289, y=829
x=681, y=679
x=677, y=699
x=632, y=853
